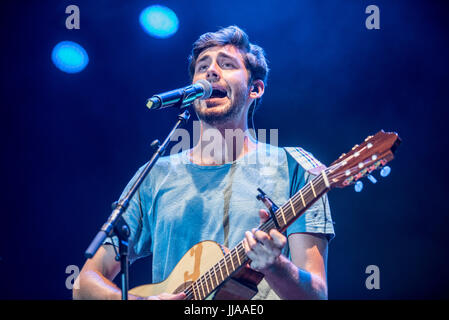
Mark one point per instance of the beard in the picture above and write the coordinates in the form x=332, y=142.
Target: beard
x=217, y=111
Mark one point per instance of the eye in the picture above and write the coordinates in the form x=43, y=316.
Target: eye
x=227, y=65
x=202, y=68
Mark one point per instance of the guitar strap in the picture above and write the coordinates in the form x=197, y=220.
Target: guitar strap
x=305, y=159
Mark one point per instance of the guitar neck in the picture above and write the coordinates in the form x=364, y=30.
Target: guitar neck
x=300, y=202
x=236, y=258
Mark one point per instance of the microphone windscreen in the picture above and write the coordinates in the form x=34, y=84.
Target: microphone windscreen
x=207, y=88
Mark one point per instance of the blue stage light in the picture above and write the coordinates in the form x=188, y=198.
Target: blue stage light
x=159, y=21
x=69, y=57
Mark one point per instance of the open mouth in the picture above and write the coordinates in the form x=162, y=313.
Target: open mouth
x=218, y=93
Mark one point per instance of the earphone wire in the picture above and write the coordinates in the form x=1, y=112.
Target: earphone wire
x=253, y=109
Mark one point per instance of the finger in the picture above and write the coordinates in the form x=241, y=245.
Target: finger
x=245, y=245
x=272, y=242
x=279, y=239
x=263, y=215
x=253, y=265
x=170, y=296
x=254, y=245
x=250, y=240
x=252, y=256
x=179, y=296
x=261, y=237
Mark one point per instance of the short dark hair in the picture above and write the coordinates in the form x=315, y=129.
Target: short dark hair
x=253, y=55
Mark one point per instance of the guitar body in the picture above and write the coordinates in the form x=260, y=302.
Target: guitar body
x=197, y=261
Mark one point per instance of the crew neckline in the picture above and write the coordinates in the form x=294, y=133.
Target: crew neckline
x=185, y=156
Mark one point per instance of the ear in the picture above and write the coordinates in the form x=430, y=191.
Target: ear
x=257, y=89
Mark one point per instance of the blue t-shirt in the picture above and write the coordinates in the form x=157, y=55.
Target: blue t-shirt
x=181, y=203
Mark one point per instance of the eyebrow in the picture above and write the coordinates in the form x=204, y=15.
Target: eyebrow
x=220, y=54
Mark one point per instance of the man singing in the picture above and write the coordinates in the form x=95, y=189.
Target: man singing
x=209, y=191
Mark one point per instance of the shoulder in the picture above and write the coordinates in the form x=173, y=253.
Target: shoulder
x=163, y=166
x=268, y=154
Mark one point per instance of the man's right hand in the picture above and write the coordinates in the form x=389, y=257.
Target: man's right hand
x=167, y=296
x=95, y=279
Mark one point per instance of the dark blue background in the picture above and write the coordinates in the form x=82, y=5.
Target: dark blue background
x=71, y=142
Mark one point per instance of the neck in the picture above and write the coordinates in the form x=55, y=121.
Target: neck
x=223, y=143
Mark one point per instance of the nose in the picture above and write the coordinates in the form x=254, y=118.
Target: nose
x=212, y=74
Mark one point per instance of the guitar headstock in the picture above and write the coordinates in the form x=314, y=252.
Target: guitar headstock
x=372, y=154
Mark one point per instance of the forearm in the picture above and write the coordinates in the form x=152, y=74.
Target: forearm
x=293, y=283
x=93, y=286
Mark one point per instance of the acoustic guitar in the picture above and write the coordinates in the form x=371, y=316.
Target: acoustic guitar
x=209, y=268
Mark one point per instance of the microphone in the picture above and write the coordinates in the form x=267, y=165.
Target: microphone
x=201, y=89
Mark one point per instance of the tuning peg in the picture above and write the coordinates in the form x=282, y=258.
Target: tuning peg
x=371, y=178
x=385, y=171
x=354, y=147
x=358, y=186
x=155, y=144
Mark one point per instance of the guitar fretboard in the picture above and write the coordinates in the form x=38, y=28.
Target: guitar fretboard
x=236, y=258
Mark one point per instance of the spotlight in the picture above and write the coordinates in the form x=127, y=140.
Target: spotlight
x=69, y=57
x=159, y=21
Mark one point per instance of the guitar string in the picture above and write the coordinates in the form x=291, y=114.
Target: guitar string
x=201, y=281
x=240, y=251
x=237, y=251
x=206, y=277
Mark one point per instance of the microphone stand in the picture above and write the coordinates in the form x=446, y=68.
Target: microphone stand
x=116, y=225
